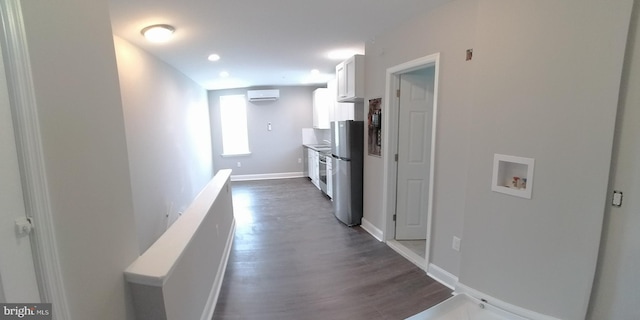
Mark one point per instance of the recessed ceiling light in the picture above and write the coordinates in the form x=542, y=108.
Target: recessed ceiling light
x=315, y=71
x=158, y=33
x=224, y=74
x=213, y=57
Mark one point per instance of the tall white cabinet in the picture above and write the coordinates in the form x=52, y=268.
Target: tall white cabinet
x=341, y=110
x=326, y=108
x=322, y=108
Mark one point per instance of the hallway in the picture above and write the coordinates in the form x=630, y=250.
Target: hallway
x=292, y=259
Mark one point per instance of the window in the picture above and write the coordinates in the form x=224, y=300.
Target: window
x=233, y=118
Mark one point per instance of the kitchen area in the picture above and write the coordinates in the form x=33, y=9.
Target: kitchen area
x=317, y=168
x=333, y=148
x=290, y=136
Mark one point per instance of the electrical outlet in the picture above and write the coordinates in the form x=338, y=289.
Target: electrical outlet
x=299, y=160
x=239, y=164
x=456, y=244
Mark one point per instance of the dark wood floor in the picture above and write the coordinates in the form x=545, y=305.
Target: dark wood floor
x=292, y=259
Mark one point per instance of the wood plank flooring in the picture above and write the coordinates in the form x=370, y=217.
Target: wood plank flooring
x=292, y=259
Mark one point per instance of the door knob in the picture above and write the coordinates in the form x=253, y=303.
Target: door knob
x=23, y=226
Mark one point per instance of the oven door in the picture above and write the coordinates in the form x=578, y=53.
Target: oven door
x=322, y=168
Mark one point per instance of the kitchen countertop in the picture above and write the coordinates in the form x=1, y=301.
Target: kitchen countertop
x=318, y=147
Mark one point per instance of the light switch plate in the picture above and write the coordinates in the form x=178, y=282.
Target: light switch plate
x=617, y=198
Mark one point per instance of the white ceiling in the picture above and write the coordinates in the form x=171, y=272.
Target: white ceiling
x=261, y=42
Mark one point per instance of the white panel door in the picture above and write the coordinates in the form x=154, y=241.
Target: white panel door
x=16, y=262
x=414, y=154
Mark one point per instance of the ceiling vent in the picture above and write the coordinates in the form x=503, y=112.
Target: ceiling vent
x=263, y=95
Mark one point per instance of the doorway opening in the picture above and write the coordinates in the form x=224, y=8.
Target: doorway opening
x=409, y=137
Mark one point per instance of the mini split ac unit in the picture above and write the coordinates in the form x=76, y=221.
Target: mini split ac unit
x=263, y=95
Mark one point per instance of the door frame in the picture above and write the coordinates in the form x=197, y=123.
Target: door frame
x=390, y=141
x=2, y=298
x=31, y=158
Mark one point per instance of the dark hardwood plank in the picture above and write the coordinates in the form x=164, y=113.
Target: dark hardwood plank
x=292, y=259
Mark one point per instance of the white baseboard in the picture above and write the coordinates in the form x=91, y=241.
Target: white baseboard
x=210, y=307
x=369, y=227
x=526, y=313
x=442, y=276
x=267, y=176
x=408, y=254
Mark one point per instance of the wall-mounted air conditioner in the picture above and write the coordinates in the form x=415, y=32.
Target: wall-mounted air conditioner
x=263, y=95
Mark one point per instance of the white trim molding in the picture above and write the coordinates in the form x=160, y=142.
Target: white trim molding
x=419, y=261
x=442, y=276
x=372, y=230
x=267, y=176
x=2, y=298
x=29, y=143
x=526, y=313
x=390, y=137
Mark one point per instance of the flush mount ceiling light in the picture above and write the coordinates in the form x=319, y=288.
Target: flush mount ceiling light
x=213, y=57
x=158, y=33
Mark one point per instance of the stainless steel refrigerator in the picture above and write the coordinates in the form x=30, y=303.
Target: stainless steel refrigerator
x=347, y=145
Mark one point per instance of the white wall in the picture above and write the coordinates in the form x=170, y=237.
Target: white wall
x=546, y=87
x=543, y=83
x=83, y=135
x=450, y=30
x=275, y=151
x=617, y=286
x=168, y=139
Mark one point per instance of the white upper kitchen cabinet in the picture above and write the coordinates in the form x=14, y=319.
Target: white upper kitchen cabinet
x=343, y=111
x=339, y=111
x=350, y=79
x=322, y=108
